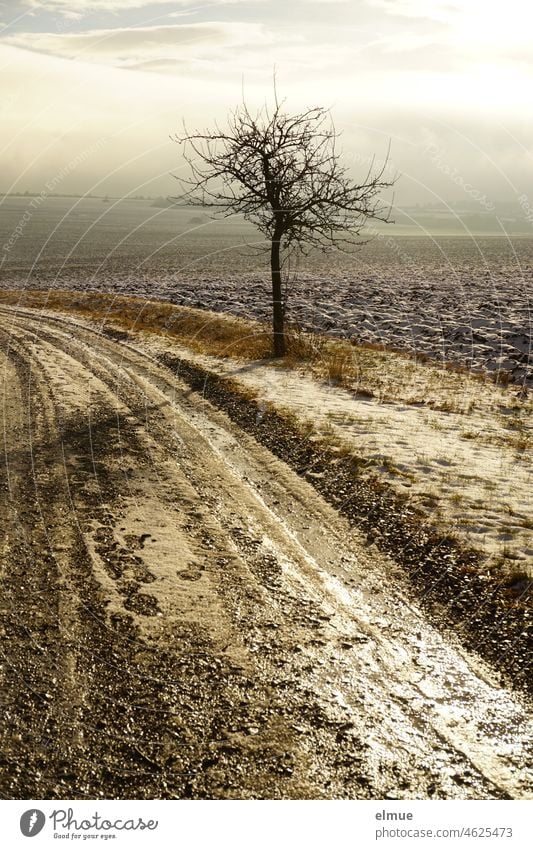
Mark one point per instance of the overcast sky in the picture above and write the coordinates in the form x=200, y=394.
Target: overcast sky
x=102, y=83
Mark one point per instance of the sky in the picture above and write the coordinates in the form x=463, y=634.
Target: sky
x=92, y=90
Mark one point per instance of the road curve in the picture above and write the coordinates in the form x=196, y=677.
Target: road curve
x=184, y=617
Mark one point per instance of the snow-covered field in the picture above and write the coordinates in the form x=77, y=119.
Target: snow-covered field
x=463, y=298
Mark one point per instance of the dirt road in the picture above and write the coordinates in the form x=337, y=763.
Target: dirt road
x=184, y=617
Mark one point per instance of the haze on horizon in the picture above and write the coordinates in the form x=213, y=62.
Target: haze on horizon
x=102, y=84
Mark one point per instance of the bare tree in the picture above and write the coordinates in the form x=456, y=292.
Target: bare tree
x=283, y=173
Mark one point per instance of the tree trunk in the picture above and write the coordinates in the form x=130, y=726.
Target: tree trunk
x=277, y=301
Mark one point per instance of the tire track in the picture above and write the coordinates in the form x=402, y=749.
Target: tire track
x=213, y=627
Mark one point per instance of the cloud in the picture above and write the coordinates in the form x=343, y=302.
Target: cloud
x=219, y=48
x=250, y=49
x=156, y=46
x=81, y=8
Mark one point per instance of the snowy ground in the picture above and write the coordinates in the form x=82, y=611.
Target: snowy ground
x=460, y=448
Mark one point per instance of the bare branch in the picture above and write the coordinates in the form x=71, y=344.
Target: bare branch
x=283, y=173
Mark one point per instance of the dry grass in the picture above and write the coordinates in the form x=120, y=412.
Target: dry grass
x=335, y=360
x=202, y=331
